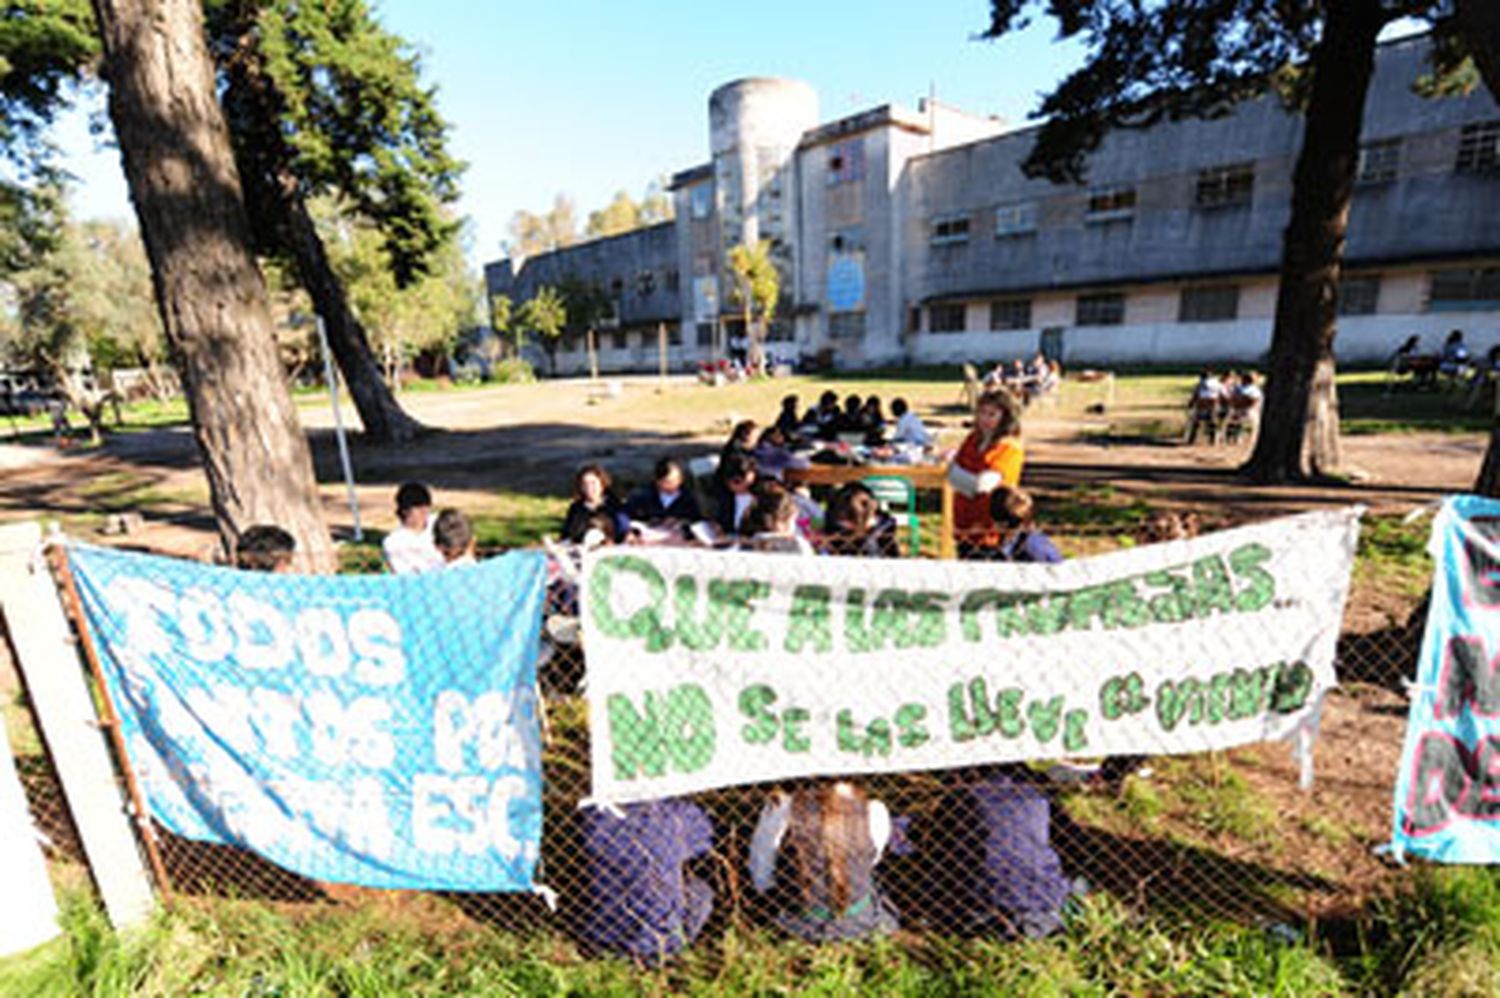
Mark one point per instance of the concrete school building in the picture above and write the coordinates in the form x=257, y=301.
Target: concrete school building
x=913, y=237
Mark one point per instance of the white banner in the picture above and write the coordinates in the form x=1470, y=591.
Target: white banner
x=709, y=669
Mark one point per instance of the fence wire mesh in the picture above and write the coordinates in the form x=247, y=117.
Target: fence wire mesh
x=999, y=850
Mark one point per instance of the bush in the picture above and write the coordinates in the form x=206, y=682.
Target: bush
x=512, y=372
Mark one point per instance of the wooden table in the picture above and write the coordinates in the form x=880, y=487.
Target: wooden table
x=921, y=476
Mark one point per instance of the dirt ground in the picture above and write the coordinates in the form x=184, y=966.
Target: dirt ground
x=528, y=439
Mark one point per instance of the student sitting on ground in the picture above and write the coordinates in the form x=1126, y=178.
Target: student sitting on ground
x=873, y=420
x=1013, y=511
x=592, y=497
x=733, y=493
x=409, y=547
x=741, y=440
x=640, y=899
x=909, y=428
x=666, y=499
x=822, y=844
x=773, y=455
x=855, y=525
x=454, y=536
x=265, y=548
x=988, y=847
x=822, y=420
x=771, y=524
x=787, y=421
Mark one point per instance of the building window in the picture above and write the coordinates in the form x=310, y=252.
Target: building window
x=1012, y=313
x=846, y=162
x=1015, y=219
x=1209, y=303
x=1359, y=295
x=705, y=334
x=674, y=334
x=948, y=230
x=846, y=325
x=619, y=339
x=848, y=240
x=913, y=319
x=701, y=200
x=781, y=331
x=616, y=286
x=1106, y=309
x=1225, y=186
x=1378, y=161
x=946, y=319
x=645, y=284
x=1468, y=290
x=1479, y=148
x=671, y=282
x=1106, y=204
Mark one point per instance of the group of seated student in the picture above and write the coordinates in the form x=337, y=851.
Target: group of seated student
x=827, y=421
x=424, y=541
x=747, y=509
x=1027, y=379
x=814, y=860
x=864, y=417
x=1222, y=406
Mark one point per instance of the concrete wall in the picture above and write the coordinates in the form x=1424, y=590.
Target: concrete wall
x=1427, y=218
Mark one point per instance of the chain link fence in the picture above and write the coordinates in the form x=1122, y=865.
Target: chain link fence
x=999, y=850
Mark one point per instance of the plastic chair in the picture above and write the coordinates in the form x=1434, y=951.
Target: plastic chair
x=899, y=497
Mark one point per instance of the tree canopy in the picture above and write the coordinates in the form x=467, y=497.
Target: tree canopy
x=44, y=47
x=337, y=101
x=1176, y=59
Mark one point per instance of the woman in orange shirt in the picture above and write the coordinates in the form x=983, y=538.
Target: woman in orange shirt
x=991, y=456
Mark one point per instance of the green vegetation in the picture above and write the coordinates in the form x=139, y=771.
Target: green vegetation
x=1392, y=555
x=1441, y=936
x=246, y=948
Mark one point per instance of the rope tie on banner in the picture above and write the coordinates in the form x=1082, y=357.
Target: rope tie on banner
x=547, y=894
x=613, y=810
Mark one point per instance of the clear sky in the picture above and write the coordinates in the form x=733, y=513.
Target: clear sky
x=587, y=97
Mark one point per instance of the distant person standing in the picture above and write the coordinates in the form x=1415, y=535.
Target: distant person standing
x=409, y=548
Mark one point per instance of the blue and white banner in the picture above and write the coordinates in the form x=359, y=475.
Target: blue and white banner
x=1447, y=804
x=377, y=730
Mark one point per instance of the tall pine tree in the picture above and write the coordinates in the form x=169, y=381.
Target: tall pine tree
x=322, y=101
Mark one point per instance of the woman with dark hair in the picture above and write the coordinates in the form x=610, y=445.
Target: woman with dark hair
x=741, y=441
x=592, y=498
x=992, y=455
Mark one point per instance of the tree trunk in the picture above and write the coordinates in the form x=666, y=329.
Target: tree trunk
x=253, y=101
x=210, y=294
x=383, y=418
x=1299, y=432
x=1488, y=482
